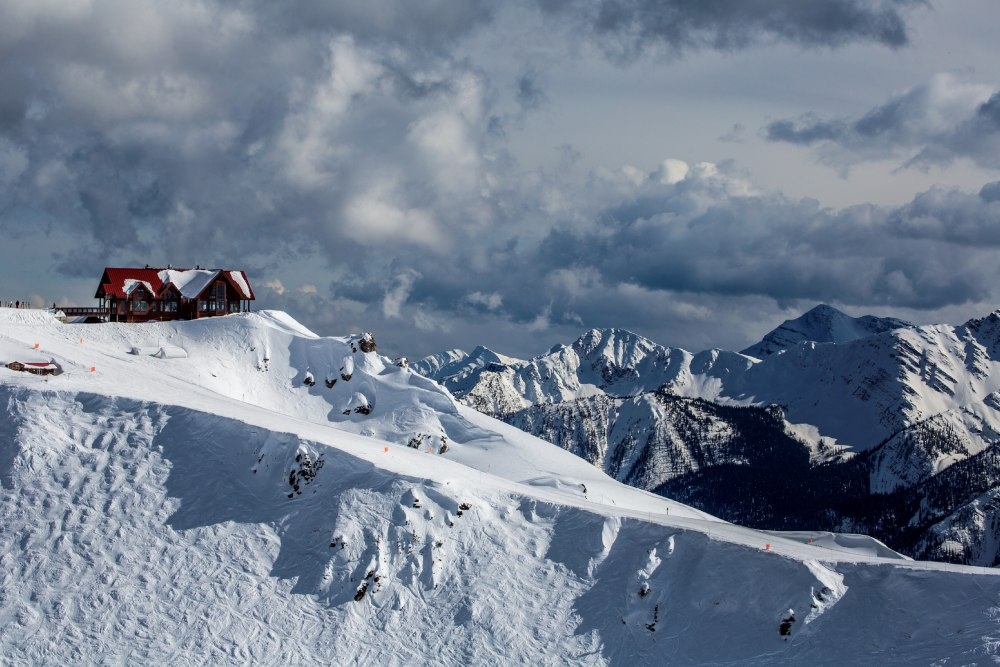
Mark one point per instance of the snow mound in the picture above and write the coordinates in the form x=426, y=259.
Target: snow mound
x=28, y=316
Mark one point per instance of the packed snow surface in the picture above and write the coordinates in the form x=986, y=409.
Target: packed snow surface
x=217, y=508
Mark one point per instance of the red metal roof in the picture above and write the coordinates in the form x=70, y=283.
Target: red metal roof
x=113, y=281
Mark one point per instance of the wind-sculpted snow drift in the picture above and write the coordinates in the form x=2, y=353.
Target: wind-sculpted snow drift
x=215, y=509
x=846, y=423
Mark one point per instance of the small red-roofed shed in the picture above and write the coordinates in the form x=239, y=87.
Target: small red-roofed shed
x=35, y=367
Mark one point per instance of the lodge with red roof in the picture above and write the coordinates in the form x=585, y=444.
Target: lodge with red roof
x=157, y=295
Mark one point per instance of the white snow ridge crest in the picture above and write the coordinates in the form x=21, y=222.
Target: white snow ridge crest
x=215, y=508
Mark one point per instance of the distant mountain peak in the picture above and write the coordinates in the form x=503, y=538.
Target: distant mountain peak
x=822, y=324
x=611, y=342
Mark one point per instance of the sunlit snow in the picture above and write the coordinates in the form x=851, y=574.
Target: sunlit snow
x=213, y=507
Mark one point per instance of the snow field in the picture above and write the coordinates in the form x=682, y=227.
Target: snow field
x=213, y=509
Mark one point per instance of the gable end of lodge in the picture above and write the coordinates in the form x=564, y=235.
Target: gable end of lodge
x=157, y=295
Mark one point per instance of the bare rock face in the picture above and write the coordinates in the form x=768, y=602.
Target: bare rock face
x=367, y=342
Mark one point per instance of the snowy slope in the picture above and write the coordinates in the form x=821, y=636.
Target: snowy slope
x=215, y=509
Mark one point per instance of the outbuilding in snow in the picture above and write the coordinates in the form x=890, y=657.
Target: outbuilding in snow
x=35, y=367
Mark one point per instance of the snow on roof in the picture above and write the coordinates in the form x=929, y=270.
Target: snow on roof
x=40, y=364
x=189, y=282
x=240, y=280
x=130, y=284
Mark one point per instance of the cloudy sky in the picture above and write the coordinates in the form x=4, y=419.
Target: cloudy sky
x=448, y=173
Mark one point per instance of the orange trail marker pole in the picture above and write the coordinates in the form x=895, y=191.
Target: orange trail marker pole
x=767, y=547
x=36, y=346
x=385, y=449
x=93, y=368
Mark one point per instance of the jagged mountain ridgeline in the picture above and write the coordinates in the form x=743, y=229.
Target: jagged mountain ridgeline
x=862, y=424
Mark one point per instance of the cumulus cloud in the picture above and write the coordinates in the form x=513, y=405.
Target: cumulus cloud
x=935, y=123
x=397, y=293
x=274, y=285
x=489, y=301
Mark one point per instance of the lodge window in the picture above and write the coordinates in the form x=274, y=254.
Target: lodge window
x=170, y=303
x=139, y=306
x=217, y=297
x=218, y=291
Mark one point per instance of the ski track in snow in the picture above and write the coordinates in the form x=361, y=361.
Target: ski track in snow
x=213, y=510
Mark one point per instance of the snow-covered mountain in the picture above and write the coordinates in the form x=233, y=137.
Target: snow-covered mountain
x=920, y=398
x=822, y=324
x=611, y=362
x=240, y=490
x=454, y=368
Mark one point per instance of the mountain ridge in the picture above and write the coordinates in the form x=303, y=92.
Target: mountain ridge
x=822, y=324
x=925, y=397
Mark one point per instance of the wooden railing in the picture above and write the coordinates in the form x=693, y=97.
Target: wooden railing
x=85, y=311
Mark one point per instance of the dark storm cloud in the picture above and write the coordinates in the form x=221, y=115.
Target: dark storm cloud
x=428, y=24
x=629, y=27
x=708, y=234
x=935, y=123
x=944, y=214
x=807, y=129
x=990, y=192
x=530, y=95
x=714, y=244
